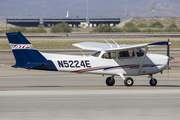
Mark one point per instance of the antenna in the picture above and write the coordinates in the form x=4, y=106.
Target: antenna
x=115, y=43
x=82, y=53
x=108, y=43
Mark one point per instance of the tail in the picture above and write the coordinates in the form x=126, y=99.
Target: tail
x=25, y=54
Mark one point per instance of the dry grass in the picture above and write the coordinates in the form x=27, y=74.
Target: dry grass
x=56, y=44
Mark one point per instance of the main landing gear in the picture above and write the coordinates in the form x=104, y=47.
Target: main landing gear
x=110, y=81
x=128, y=81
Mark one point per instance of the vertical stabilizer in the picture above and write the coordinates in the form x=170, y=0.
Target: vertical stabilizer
x=24, y=52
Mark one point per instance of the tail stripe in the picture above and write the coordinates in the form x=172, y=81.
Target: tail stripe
x=22, y=46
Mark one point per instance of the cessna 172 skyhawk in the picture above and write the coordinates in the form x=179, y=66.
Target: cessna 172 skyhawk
x=110, y=59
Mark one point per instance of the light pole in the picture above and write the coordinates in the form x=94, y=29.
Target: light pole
x=87, y=18
x=26, y=11
x=87, y=7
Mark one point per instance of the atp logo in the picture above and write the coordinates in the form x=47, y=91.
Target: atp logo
x=22, y=46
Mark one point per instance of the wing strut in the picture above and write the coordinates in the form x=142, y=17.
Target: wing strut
x=108, y=43
x=115, y=43
x=142, y=62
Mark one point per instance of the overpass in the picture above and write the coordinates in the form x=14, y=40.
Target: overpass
x=25, y=22
x=74, y=22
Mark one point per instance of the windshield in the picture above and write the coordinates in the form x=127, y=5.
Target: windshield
x=96, y=54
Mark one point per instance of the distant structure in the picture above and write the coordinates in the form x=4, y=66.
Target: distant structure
x=74, y=22
x=25, y=22
x=67, y=14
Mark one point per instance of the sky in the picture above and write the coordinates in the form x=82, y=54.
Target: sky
x=59, y=8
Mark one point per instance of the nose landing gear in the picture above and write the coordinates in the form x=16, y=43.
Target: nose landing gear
x=152, y=81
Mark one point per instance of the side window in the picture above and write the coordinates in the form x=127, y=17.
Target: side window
x=96, y=54
x=140, y=53
x=109, y=55
x=128, y=54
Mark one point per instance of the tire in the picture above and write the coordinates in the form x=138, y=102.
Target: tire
x=128, y=81
x=110, y=82
x=153, y=83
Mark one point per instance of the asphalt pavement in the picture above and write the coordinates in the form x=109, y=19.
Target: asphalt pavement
x=43, y=95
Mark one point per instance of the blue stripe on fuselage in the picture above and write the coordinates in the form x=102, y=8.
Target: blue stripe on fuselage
x=134, y=66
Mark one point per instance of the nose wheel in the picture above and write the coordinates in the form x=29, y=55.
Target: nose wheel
x=152, y=81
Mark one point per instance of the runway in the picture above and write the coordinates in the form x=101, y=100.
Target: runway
x=43, y=95
x=90, y=105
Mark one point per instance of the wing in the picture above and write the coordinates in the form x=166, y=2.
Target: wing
x=113, y=47
x=138, y=46
x=93, y=45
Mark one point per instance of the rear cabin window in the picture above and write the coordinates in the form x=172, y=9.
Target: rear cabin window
x=109, y=55
x=128, y=54
x=96, y=54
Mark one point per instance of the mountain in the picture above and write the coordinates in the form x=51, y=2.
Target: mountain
x=96, y=8
x=163, y=8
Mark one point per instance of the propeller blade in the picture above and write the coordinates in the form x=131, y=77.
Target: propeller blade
x=168, y=54
x=168, y=69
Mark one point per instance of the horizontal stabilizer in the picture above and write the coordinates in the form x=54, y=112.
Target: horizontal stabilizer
x=31, y=65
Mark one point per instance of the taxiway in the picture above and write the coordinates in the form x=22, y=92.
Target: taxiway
x=43, y=95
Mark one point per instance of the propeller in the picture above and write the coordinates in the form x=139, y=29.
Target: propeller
x=169, y=58
x=168, y=54
x=168, y=48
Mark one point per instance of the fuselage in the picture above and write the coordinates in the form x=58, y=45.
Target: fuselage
x=92, y=64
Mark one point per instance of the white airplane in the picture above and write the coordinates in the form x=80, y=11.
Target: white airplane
x=110, y=59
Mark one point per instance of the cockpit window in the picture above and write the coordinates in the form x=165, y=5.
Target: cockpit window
x=140, y=53
x=96, y=54
x=109, y=55
x=128, y=54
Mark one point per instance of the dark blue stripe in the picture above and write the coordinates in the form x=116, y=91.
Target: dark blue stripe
x=118, y=66
x=50, y=65
x=109, y=68
x=159, y=43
